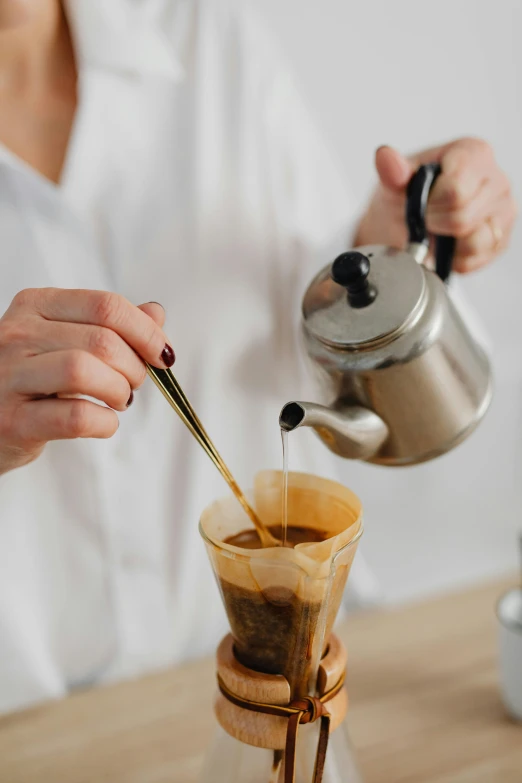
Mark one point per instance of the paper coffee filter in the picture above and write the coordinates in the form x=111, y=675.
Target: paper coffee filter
x=313, y=502
x=268, y=488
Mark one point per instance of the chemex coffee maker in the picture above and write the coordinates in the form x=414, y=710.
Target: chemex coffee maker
x=281, y=700
x=404, y=380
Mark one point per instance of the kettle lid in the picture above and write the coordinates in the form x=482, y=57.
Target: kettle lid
x=366, y=295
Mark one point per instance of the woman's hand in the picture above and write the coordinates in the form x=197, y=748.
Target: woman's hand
x=55, y=344
x=471, y=201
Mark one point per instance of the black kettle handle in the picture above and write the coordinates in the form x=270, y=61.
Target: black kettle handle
x=419, y=188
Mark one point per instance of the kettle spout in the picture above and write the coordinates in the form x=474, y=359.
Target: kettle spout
x=354, y=433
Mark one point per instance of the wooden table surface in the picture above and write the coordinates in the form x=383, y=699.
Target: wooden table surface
x=424, y=708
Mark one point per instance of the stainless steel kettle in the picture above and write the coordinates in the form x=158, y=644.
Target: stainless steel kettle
x=405, y=381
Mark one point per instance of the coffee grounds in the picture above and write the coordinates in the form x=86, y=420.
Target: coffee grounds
x=273, y=628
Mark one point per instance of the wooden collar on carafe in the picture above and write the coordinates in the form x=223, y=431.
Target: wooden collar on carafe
x=257, y=708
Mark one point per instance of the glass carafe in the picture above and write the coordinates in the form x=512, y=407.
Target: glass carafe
x=281, y=604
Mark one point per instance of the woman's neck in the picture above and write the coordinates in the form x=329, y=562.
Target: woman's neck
x=33, y=38
x=38, y=93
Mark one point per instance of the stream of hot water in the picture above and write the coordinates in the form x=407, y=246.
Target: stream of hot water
x=284, y=509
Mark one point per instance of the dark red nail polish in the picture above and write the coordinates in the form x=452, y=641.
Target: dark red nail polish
x=131, y=399
x=168, y=356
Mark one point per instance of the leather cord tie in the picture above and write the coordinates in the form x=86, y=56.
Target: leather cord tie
x=305, y=710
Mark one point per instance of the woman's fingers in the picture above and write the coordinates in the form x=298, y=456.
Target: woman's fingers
x=394, y=169
x=31, y=336
x=472, y=201
x=155, y=311
x=59, y=346
x=103, y=309
x=42, y=420
x=464, y=217
x=466, y=164
x=490, y=238
x=70, y=372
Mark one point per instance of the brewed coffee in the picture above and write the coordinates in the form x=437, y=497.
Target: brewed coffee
x=249, y=539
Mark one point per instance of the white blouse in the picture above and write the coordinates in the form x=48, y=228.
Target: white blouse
x=194, y=177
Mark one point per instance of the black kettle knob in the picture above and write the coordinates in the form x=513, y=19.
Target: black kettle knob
x=351, y=270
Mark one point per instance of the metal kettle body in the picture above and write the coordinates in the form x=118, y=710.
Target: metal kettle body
x=403, y=379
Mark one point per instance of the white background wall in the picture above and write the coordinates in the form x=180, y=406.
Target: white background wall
x=413, y=74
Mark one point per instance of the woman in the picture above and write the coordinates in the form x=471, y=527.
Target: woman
x=166, y=159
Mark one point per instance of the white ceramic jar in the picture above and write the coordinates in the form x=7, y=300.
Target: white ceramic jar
x=509, y=613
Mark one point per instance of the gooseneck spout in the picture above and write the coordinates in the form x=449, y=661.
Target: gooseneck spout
x=354, y=433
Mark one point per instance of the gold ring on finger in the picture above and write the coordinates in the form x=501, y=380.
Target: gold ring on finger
x=497, y=232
